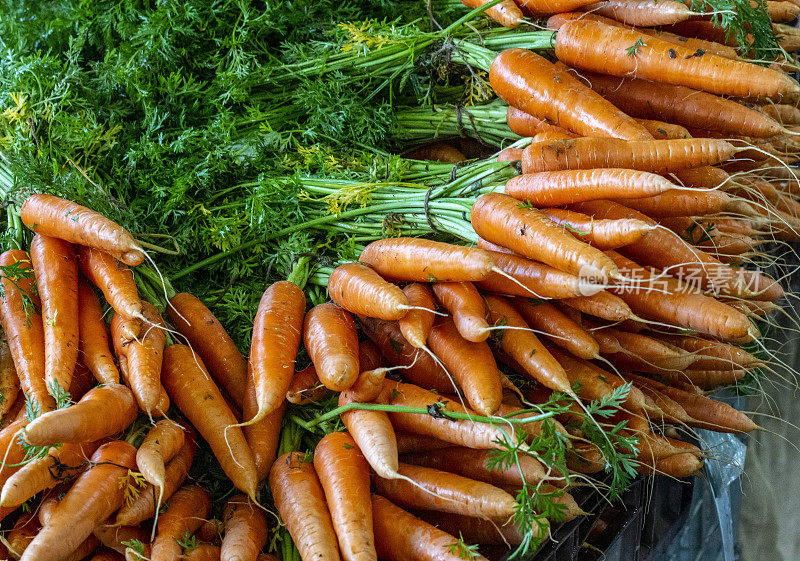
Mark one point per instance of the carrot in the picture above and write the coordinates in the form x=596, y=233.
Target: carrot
x=360, y=290
x=103, y=411
x=603, y=234
x=464, y=302
x=161, y=444
x=367, y=387
x=191, y=389
x=506, y=13
x=408, y=443
x=306, y=387
x=509, y=154
x=245, y=530
x=475, y=464
x=524, y=347
x=679, y=465
x=94, y=497
x=525, y=124
x=688, y=203
x=116, y=283
x=783, y=113
x=44, y=473
x=60, y=218
x=210, y=340
x=421, y=260
x=418, y=322
x=471, y=434
x=645, y=13
x=329, y=335
x=370, y=356
x=662, y=130
x=436, y=152
x=537, y=279
x=93, y=338
x=373, y=433
x=782, y=12
x=704, y=379
x=9, y=381
x=186, y=510
x=714, y=355
x=21, y=535
x=264, y=435
x=547, y=7
x=56, y=270
x=210, y=531
x=106, y=555
x=585, y=457
x=656, y=156
x=144, y=506
x=422, y=369
x=344, y=475
x=476, y=530
x=635, y=350
x=23, y=326
x=671, y=410
x=276, y=337
x=300, y=500
x=113, y=537
x=433, y=489
x=576, y=45
x=533, y=84
x=203, y=552
x=557, y=327
x=472, y=365
x=684, y=106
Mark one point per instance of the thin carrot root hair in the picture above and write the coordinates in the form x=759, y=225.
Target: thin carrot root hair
x=434, y=312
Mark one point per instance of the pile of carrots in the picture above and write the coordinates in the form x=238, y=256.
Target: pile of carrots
x=604, y=274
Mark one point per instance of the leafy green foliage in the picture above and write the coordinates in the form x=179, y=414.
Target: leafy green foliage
x=746, y=22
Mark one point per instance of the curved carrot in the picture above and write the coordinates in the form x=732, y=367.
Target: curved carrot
x=276, y=337
x=186, y=510
x=9, y=381
x=525, y=124
x=472, y=365
x=103, y=411
x=418, y=322
x=576, y=45
x=245, y=530
x=263, y=436
x=464, y=302
x=23, y=326
x=300, y=500
x=373, y=433
x=160, y=445
x=60, y=218
x=499, y=219
x=344, y=475
x=367, y=387
x=329, y=336
x=93, y=338
x=191, y=389
x=421, y=260
x=56, y=269
x=603, y=234
x=360, y=290
x=94, y=497
x=557, y=327
x=535, y=85
x=210, y=340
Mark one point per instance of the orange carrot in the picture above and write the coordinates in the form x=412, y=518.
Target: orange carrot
x=418, y=322
x=329, y=336
x=56, y=270
x=93, y=338
x=509, y=154
x=23, y=326
x=306, y=387
x=373, y=433
x=715, y=355
x=472, y=365
x=557, y=327
x=369, y=355
x=103, y=411
x=367, y=387
x=576, y=45
x=645, y=13
x=161, y=444
x=408, y=443
x=506, y=13
x=360, y=290
x=464, y=302
x=547, y=7
x=264, y=435
x=25, y=529
x=186, y=511
x=477, y=530
x=421, y=260
x=782, y=12
x=245, y=530
x=688, y=203
x=276, y=337
x=344, y=475
x=533, y=84
x=300, y=500
x=704, y=379
x=210, y=340
x=60, y=218
x=602, y=234
x=93, y=498
x=436, y=152
x=662, y=130
x=116, y=283
x=525, y=124
x=191, y=389
x=499, y=219
x=113, y=537
x=9, y=381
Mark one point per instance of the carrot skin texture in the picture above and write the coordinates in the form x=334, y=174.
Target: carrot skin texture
x=93, y=337
x=533, y=84
x=193, y=391
x=186, y=511
x=112, y=536
x=9, y=381
x=524, y=124
x=576, y=46
x=644, y=13
x=344, y=475
x=306, y=387
x=400, y=536
x=421, y=260
x=93, y=498
x=374, y=434
x=276, y=337
x=210, y=340
x=262, y=436
x=329, y=336
x=464, y=302
x=60, y=218
x=56, y=269
x=25, y=340
x=160, y=445
x=565, y=332
x=103, y=411
x=245, y=530
x=416, y=325
x=300, y=500
x=506, y=13
x=115, y=281
x=360, y=290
